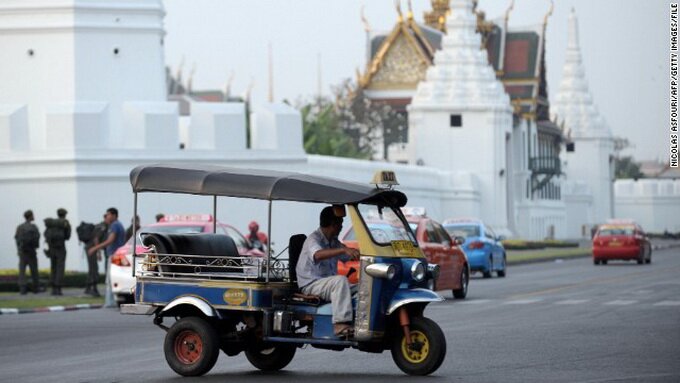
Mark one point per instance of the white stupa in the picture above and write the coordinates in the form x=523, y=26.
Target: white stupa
x=592, y=159
x=460, y=115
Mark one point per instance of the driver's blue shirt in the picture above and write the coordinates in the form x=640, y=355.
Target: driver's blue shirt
x=309, y=270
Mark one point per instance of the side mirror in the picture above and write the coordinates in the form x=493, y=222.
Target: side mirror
x=459, y=240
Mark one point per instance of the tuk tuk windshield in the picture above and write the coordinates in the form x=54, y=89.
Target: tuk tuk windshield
x=386, y=225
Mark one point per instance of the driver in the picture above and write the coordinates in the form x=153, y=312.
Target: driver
x=317, y=269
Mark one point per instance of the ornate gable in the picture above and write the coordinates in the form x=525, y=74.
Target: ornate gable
x=401, y=61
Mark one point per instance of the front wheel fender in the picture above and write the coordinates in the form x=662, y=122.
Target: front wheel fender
x=407, y=296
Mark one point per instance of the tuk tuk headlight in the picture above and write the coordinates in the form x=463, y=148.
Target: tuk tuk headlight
x=418, y=271
x=381, y=270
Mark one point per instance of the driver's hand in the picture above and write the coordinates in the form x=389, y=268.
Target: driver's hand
x=353, y=253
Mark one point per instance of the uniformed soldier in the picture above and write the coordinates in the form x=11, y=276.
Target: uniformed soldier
x=27, y=238
x=57, y=232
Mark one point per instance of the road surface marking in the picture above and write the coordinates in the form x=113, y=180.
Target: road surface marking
x=474, y=301
x=572, y=301
x=620, y=303
x=667, y=303
x=522, y=301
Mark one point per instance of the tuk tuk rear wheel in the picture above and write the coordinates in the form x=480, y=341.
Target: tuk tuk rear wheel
x=191, y=346
x=271, y=357
x=427, y=351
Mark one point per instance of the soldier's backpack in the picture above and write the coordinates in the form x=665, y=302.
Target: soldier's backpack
x=85, y=232
x=29, y=239
x=55, y=232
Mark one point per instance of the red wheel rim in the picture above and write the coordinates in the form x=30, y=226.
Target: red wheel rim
x=188, y=347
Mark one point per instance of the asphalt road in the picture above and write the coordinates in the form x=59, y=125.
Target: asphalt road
x=565, y=321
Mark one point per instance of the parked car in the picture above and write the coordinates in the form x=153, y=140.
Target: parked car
x=121, y=279
x=484, y=249
x=439, y=248
x=621, y=240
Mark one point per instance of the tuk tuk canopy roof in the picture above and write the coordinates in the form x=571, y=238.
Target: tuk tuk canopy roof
x=257, y=184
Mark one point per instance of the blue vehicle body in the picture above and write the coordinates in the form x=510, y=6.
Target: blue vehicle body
x=483, y=248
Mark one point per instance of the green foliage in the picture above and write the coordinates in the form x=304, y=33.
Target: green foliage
x=626, y=167
x=351, y=126
x=322, y=134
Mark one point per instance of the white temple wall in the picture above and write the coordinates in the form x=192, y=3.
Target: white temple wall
x=541, y=219
x=217, y=126
x=591, y=163
x=76, y=125
x=14, y=133
x=150, y=125
x=276, y=126
x=653, y=203
x=80, y=51
x=578, y=200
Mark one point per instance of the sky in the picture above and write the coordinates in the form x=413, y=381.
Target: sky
x=624, y=45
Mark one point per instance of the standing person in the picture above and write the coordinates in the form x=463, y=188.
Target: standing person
x=130, y=229
x=90, y=234
x=57, y=232
x=317, y=270
x=27, y=238
x=257, y=238
x=115, y=235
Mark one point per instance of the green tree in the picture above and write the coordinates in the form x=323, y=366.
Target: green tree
x=626, y=167
x=322, y=134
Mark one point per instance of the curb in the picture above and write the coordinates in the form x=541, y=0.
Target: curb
x=584, y=255
x=50, y=309
x=548, y=259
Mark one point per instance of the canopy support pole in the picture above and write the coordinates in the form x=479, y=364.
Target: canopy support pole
x=269, y=240
x=214, y=214
x=134, y=236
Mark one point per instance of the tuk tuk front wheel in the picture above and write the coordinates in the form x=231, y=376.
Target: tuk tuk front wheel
x=427, y=349
x=191, y=346
x=271, y=357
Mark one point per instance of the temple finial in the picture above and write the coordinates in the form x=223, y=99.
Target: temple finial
x=364, y=21
x=507, y=11
x=397, y=4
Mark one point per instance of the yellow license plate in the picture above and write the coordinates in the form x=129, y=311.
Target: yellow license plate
x=404, y=248
x=615, y=244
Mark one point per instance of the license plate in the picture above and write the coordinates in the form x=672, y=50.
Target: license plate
x=404, y=248
x=615, y=244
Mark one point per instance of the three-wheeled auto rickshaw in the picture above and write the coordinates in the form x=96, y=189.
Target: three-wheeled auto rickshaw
x=224, y=301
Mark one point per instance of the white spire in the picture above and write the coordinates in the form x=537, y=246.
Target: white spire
x=574, y=103
x=461, y=76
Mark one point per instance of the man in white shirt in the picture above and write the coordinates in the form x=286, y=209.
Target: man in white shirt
x=318, y=265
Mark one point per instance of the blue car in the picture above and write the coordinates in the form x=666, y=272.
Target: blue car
x=484, y=249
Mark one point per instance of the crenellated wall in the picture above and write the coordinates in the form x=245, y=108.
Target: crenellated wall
x=653, y=203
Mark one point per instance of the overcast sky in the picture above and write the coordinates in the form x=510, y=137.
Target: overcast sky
x=624, y=45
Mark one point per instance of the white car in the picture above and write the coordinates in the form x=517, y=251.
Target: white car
x=120, y=273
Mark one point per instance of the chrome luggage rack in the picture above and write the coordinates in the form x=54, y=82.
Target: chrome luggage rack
x=210, y=267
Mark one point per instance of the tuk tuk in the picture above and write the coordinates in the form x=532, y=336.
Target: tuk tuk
x=221, y=300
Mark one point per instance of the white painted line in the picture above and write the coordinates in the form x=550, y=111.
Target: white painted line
x=522, y=301
x=667, y=303
x=9, y=311
x=572, y=301
x=474, y=302
x=620, y=303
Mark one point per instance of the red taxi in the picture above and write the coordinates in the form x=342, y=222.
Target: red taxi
x=433, y=239
x=121, y=277
x=621, y=240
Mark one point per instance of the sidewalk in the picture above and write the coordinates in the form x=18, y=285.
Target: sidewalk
x=73, y=299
